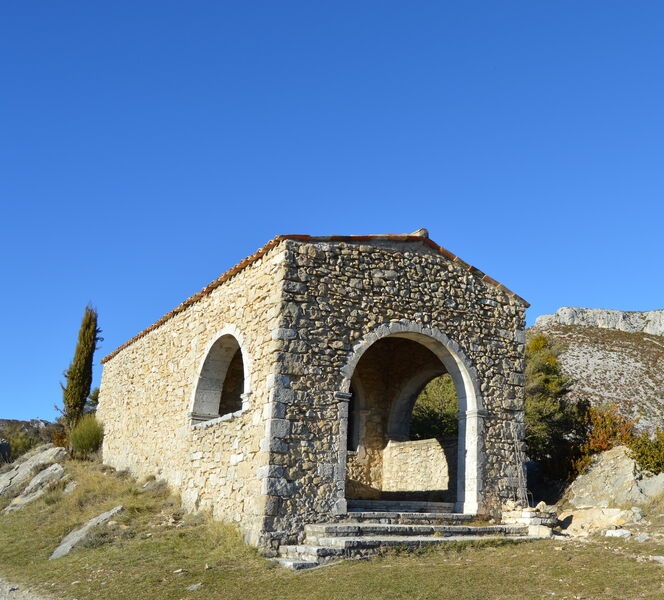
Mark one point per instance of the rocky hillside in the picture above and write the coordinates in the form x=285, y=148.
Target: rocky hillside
x=632, y=322
x=613, y=357
x=37, y=428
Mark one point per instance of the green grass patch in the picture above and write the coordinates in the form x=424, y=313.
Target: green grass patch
x=153, y=551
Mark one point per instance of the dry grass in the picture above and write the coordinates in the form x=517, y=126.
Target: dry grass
x=152, y=551
x=654, y=510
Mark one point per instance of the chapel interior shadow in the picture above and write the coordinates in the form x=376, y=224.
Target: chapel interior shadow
x=403, y=426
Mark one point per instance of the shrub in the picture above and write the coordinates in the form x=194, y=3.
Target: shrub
x=648, y=452
x=86, y=436
x=556, y=428
x=59, y=436
x=435, y=411
x=20, y=440
x=607, y=428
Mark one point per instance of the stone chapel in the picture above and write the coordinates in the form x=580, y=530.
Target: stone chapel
x=282, y=393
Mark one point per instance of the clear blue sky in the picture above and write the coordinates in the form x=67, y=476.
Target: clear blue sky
x=146, y=147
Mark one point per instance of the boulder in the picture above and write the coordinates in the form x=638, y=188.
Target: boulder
x=13, y=480
x=584, y=521
x=78, y=535
x=38, y=486
x=618, y=533
x=613, y=479
x=596, y=500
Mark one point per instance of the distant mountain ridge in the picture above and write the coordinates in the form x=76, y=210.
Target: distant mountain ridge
x=651, y=321
x=613, y=357
x=34, y=427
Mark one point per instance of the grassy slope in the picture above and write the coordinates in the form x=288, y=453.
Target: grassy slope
x=152, y=551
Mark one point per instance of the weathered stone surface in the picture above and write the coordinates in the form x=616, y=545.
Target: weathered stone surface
x=38, y=486
x=632, y=322
x=13, y=480
x=613, y=480
x=49, y=475
x=598, y=497
x=584, y=521
x=414, y=465
x=304, y=312
x=618, y=533
x=78, y=535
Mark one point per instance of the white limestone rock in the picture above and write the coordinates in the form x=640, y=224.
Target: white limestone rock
x=618, y=533
x=596, y=497
x=38, y=486
x=78, y=535
x=13, y=480
x=612, y=480
x=651, y=322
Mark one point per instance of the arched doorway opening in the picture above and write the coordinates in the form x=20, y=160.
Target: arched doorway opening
x=413, y=427
x=221, y=385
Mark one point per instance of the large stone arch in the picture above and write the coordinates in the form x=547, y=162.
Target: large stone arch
x=224, y=345
x=466, y=383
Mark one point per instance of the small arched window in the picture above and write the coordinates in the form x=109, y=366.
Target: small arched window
x=221, y=383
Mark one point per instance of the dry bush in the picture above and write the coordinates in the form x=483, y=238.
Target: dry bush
x=86, y=437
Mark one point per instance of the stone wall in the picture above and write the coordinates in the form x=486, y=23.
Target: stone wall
x=304, y=311
x=147, y=393
x=340, y=297
x=417, y=465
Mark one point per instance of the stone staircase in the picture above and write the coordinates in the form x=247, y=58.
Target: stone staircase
x=370, y=527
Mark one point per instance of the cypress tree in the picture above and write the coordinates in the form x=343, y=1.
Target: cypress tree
x=79, y=373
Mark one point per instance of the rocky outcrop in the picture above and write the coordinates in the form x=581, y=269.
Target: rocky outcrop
x=38, y=486
x=614, y=480
x=24, y=468
x=651, y=322
x=610, y=493
x=78, y=535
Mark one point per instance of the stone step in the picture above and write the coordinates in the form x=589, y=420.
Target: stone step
x=312, y=553
x=296, y=564
x=332, y=549
x=358, y=545
x=425, y=518
x=316, y=533
x=399, y=506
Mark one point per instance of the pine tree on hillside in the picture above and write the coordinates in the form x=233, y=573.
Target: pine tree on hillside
x=556, y=427
x=79, y=373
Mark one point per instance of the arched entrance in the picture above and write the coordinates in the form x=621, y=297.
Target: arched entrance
x=383, y=377
x=223, y=384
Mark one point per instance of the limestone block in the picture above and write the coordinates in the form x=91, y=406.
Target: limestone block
x=284, y=334
x=271, y=471
x=277, y=486
x=280, y=428
x=78, y=535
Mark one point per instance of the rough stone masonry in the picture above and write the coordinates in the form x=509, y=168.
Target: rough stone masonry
x=270, y=397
